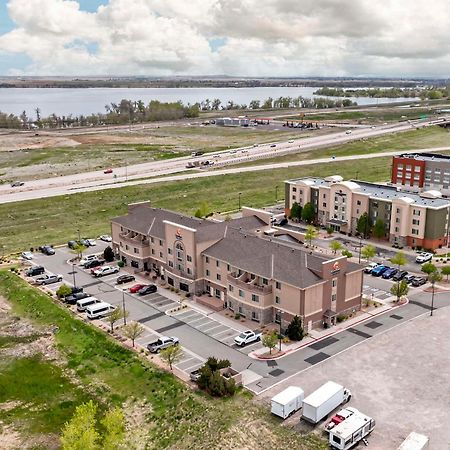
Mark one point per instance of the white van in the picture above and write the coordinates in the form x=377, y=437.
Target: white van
x=85, y=302
x=99, y=310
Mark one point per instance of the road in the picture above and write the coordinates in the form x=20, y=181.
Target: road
x=202, y=335
x=97, y=180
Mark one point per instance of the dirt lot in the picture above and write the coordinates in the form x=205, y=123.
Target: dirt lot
x=399, y=378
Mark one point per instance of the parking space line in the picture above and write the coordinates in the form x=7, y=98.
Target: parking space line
x=221, y=332
x=196, y=320
x=215, y=326
x=182, y=361
x=190, y=368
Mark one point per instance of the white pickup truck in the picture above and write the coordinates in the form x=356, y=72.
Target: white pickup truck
x=247, y=337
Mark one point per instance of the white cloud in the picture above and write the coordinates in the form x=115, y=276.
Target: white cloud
x=261, y=37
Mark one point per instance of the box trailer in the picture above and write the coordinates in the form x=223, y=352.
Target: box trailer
x=415, y=441
x=324, y=400
x=287, y=402
x=353, y=430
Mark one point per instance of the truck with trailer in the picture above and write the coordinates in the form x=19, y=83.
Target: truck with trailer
x=324, y=400
x=287, y=402
x=351, y=431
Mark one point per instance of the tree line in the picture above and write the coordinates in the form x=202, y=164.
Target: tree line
x=428, y=93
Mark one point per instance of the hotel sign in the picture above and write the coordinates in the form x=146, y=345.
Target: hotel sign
x=178, y=234
x=335, y=268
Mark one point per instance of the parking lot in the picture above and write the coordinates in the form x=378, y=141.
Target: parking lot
x=399, y=378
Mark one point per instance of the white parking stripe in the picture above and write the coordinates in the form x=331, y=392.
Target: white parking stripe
x=196, y=320
x=191, y=368
x=209, y=329
x=221, y=332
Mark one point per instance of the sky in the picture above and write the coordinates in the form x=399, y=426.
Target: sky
x=254, y=38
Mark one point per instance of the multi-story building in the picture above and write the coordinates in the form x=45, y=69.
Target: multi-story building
x=240, y=264
x=422, y=171
x=410, y=219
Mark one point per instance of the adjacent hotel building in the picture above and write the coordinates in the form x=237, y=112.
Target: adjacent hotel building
x=243, y=265
x=410, y=219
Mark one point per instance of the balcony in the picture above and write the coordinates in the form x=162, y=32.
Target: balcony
x=135, y=239
x=245, y=282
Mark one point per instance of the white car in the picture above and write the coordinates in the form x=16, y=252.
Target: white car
x=91, y=242
x=105, y=270
x=348, y=132
x=86, y=259
x=290, y=142
x=424, y=257
x=105, y=238
x=27, y=255
x=370, y=267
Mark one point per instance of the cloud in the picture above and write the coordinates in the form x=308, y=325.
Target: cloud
x=255, y=37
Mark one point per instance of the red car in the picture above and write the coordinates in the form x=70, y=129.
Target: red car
x=108, y=171
x=136, y=287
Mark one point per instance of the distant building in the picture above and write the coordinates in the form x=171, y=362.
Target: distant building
x=422, y=171
x=410, y=219
x=232, y=122
x=238, y=266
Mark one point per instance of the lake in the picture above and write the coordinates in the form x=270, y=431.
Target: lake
x=78, y=101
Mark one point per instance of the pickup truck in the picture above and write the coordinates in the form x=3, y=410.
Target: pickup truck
x=48, y=279
x=161, y=343
x=247, y=337
x=105, y=270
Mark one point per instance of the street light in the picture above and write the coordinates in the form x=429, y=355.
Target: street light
x=239, y=197
x=123, y=307
x=73, y=274
x=276, y=193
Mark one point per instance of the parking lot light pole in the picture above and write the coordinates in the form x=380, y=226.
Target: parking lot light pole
x=239, y=198
x=276, y=193
x=73, y=274
x=123, y=307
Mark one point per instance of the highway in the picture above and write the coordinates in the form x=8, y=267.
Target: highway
x=157, y=171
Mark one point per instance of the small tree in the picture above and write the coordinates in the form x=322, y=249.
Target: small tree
x=170, y=355
x=311, y=233
x=202, y=211
x=335, y=246
x=363, y=225
x=270, y=341
x=296, y=211
x=295, y=331
x=112, y=318
x=428, y=268
x=114, y=425
x=108, y=254
x=433, y=278
x=80, y=433
x=133, y=330
x=399, y=260
x=308, y=212
x=400, y=289
x=379, y=229
x=446, y=271
x=78, y=249
x=330, y=231
x=347, y=253
x=63, y=291
x=368, y=252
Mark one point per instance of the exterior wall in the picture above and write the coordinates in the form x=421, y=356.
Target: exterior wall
x=353, y=285
x=324, y=201
x=408, y=171
x=437, y=175
x=380, y=209
x=360, y=205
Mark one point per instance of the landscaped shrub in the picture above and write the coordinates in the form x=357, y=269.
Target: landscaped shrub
x=237, y=316
x=212, y=381
x=295, y=330
x=121, y=264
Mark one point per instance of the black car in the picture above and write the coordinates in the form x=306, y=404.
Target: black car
x=17, y=183
x=125, y=279
x=93, y=263
x=400, y=275
x=47, y=250
x=418, y=281
x=75, y=289
x=33, y=271
x=73, y=298
x=150, y=289
x=72, y=244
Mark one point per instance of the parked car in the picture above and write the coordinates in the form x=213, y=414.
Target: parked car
x=379, y=270
x=196, y=153
x=108, y=170
x=48, y=279
x=150, y=289
x=85, y=302
x=87, y=258
x=105, y=270
x=27, y=255
x=91, y=242
x=84, y=242
x=348, y=132
x=125, y=278
x=47, y=250
x=76, y=289
x=73, y=298
x=105, y=238
x=389, y=273
x=408, y=278
x=400, y=275
x=247, y=337
x=99, y=310
x=17, y=183
x=33, y=271
x=72, y=244
x=418, y=281
x=136, y=288
x=195, y=375
x=273, y=145
x=93, y=263
x=424, y=257
x=161, y=343
x=370, y=267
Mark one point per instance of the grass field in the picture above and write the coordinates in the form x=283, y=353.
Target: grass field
x=43, y=395
x=55, y=220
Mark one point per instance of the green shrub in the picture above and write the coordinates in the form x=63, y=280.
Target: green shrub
x=121, y=264
x=237, y=316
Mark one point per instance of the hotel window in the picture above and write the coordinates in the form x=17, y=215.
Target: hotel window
x=408, y=167
x=416, y=221
x=334, y=283
x=357, y=211
x=255, y=316
x=218, y=276
x=417, y=176
x=333, y=297
x=189, y=258
x=121, y=228
x=277, y=317
x=265, y=281
x=152, y=240
x=241, y=311
x=189, y=271
x=358, y=202
x=278, y=285
x=293, y=197
x=228, y=267
x=169, y=251
x=277, y=300
x=301, y=192
x=414, y=231
x=255, y=298
x=217, y=264
x=230, y=288
x=400, y=166
x=160, y=254
x=398, y=211
x=153, y=251
x=294, y=189
x=160, y=242
x=207, y=260
x=136, y=250
x=397, y=220
x=241, y=293
x=416, y=212
x=170, y=264
x=396, y=229
x=324, y=196
x=207, y=272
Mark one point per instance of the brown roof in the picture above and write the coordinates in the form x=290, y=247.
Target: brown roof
x=270, y=259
